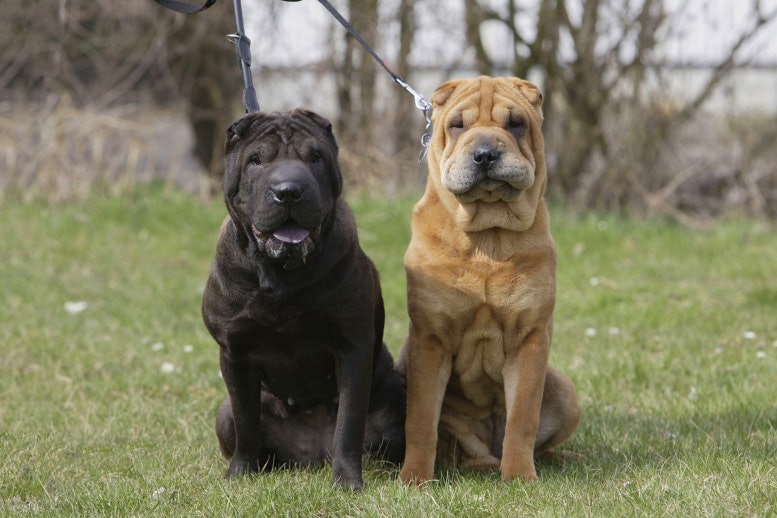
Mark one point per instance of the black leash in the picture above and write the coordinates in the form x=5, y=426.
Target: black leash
x=243, y=46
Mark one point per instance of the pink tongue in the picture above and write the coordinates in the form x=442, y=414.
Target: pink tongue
x=291, y=233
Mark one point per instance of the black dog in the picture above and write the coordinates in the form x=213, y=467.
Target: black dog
x=296, y=307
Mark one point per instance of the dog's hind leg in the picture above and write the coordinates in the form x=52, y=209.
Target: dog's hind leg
x=560, y=413
x=225, y=429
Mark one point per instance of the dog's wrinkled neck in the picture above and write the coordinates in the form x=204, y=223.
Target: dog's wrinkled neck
x=480, y=236
x=479, y=216
x=294, y=262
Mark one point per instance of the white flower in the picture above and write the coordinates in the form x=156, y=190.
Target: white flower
x=188, y=348
x=614, y=331
x=749, y=335
x=594, y=281
x=590, y=332
x=75, y=307
x=158, y=346
x=167, y=367
x=760, y=354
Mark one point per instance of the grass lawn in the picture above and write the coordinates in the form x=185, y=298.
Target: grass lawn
x=109, y=382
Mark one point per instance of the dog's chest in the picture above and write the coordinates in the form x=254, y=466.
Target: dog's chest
x=479, y=358
x=482, y=313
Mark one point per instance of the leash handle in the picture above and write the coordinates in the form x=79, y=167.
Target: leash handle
x=185, y=7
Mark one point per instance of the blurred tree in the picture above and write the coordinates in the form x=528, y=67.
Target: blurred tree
x=102, y=54
x=206, y=70
x=356, y=73
x=404, y=140
x=597, y=75
x=613, y=134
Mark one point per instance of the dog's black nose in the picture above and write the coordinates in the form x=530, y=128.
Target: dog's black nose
x=286, y=192
x=484, y=156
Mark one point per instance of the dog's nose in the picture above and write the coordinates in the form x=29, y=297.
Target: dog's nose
x=286, y=192
x=484, y=156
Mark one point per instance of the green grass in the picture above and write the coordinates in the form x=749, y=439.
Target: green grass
x=669, y=334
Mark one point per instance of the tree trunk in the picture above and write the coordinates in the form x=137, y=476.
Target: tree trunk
x=473, y=17
x=404, y=138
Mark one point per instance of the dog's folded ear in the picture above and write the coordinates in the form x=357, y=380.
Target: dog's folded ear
x=529, y=91
x=236, y=131
x=315, y=118
x=443, y=92
x=240, y=128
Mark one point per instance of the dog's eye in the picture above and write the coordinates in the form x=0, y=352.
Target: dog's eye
x=517, y=126
x=456, y=122
x=516, y=123
x=456, y=126
x=255, y=160
x=315, y=157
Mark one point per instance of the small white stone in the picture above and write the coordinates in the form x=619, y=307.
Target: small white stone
x=167, y=367
x=75, y=307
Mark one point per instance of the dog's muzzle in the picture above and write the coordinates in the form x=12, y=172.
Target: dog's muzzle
x=290, y=242
x=488, y=174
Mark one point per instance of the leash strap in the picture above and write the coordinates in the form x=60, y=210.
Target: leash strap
x=243, y=46
x=185, y=7
x=420, y=102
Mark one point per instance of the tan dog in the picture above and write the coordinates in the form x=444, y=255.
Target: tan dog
x=481, y=286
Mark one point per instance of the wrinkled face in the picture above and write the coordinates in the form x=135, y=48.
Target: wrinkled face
x=281, y=181
x=488, y=149
x=487, y=156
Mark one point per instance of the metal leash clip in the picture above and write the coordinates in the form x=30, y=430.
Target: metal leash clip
x=425, y=107
x=420, y=102
x=426, y=137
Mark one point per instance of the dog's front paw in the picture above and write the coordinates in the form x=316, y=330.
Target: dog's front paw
x=241, y=467
x=521, y=471
x=414, y=476
x=346, y=476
